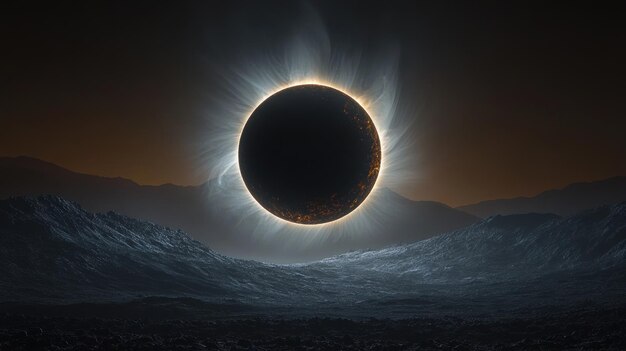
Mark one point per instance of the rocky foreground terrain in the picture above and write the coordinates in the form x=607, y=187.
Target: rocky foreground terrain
x=74, y=280
x=582, y=329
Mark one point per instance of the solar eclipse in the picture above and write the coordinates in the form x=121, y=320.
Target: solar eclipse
x=309, y=154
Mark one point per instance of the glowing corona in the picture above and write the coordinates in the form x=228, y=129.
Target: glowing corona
x=334, y=125
x=308, y=60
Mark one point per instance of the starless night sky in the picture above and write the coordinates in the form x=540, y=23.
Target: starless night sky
x=512, y=99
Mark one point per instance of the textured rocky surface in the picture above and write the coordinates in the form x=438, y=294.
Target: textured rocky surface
x=571, y=330
x=52, y=250
x=505, y=282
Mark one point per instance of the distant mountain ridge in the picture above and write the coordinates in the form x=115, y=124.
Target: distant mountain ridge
x=201, y=214
x=197, y=211
x=563, y=202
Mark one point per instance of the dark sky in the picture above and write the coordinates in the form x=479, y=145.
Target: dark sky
x=513, y=99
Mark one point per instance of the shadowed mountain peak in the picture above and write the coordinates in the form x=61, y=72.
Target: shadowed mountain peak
x=201, y=213
x=563, y=202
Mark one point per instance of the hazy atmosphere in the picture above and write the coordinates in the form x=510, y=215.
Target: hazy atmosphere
x=312, y=175
x=504, y=100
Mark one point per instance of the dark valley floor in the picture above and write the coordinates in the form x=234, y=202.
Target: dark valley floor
x=583, y=329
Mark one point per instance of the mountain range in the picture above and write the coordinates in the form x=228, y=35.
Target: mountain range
x=203, y=214
x=564, y=202
x=53, y=251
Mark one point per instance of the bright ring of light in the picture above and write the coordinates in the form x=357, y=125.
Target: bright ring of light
x=364, y=103
x=370, y=80
x=361, y=165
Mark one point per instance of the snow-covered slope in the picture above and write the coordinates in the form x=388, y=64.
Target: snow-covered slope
x=505, y=248
x=51, y=249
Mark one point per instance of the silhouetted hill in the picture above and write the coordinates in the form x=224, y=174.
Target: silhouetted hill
x=201, y=213
x=567, y=201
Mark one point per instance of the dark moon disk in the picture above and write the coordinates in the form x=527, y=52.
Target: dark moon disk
x=309, y=154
